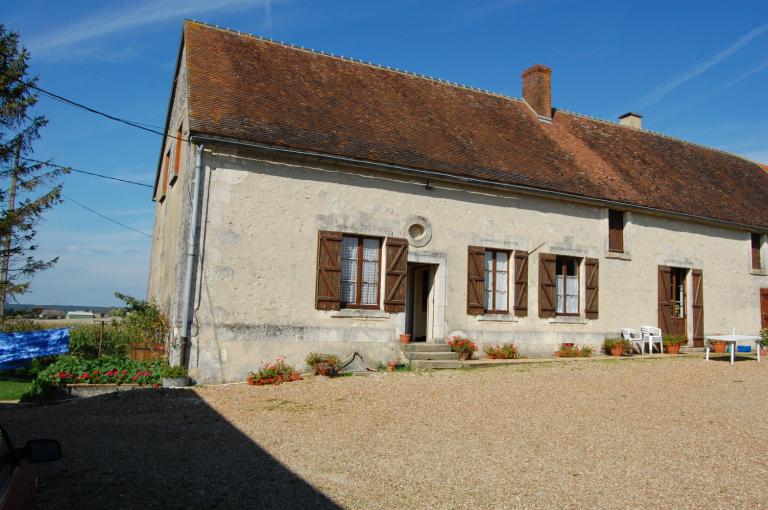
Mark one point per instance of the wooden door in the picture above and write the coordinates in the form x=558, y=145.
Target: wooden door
x=672, y=301
x=764, y=308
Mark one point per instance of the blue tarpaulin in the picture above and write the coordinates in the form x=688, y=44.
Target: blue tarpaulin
x=15, y=347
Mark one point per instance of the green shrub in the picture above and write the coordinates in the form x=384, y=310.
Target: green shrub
x=504, y=351
x=609, y=343
x=764, y=337
x=169, y=372
x=674, y=340
x=273, y=373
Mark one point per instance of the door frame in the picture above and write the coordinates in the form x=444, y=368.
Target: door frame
x=439, y=299
x=763, y=313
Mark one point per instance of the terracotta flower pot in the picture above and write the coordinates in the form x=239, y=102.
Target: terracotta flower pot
x=673, y=349
x=719, y=346
x=764, y=351
x=405, y=338
x=617, y=351
x=390, y=368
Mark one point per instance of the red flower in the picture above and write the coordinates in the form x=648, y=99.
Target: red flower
x=155, y=385
x=135, y=378
x=85, y=375
x=125, y=372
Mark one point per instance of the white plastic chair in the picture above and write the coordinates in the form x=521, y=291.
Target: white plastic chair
x=652, y=335
x=634, y=337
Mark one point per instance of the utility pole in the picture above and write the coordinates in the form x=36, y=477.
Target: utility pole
x=7, y=242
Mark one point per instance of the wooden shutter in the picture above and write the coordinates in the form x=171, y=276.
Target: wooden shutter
x=665, y=299
x=328, y=288
x=176, y=157
x=475, y=281
x=547, y=288
x=521, y=283
x=396, y=282
x=592, y=287
x=698, y=307
x=615, y=231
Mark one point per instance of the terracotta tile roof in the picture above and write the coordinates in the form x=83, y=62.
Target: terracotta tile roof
x=247, y=88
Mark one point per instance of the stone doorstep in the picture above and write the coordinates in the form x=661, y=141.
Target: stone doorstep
x=450, y=356
x=425, y=347
x=435, y=364
x=485, y=363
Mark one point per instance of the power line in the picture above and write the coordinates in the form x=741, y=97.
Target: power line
x=131, y=123
x=103, y=216
x=48, y=163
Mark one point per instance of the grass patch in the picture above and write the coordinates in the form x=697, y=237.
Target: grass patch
x=11, y=388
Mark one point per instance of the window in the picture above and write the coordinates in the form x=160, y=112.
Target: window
x=567, y=285
x=496, y=272
x=360, y=258
x=756, y=245
x=615, y=231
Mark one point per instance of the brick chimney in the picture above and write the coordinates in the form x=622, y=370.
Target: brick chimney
x=537, y=89
x=630, y=119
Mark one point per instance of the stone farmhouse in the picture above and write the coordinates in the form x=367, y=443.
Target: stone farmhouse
x=309, y=202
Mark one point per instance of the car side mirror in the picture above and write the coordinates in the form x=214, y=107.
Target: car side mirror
x=42, y=450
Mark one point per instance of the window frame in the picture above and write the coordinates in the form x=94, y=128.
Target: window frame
x=561, y=262
x=615, y=216
x=495, y=310
x=359, y=281
x=755, y=251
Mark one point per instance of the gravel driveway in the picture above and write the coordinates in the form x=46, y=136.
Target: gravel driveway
x=633, y=434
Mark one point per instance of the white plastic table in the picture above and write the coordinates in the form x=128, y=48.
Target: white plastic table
x=733, y=339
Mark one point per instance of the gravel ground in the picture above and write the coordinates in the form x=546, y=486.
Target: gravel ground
x=672, y=433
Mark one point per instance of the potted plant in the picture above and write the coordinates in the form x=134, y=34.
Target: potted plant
x=175, y=377
x=763, y=342
x=503, y=351
x=324, y=364
x=405, y=338
x=463, y=346
x=615, y=346
x=392, y=364
x=672, y=343
x=574, y=351
x=273, y=373
x=718, y=346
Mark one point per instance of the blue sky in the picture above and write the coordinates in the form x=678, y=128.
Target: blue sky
x=694, y=69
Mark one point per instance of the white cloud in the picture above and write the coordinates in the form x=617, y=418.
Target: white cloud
x=700, y=68
x=135, y=15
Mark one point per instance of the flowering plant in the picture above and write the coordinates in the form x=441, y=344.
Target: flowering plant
x=504, y=351
x=462, y=345
x=324, y=364
x=574, y=351
x=273, y=373
x=764, y=337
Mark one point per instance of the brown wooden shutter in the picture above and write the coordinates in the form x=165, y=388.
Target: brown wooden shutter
x=396, y=282
x=475, y=281
x=328, y=287
x=615, y=231
x=521, y=283
x=547, y=288
x=665, y=298
x=698, y=307
x=592, y=287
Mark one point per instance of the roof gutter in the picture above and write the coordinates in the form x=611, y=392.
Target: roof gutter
x=529, y=190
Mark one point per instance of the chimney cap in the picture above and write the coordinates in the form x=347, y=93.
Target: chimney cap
x=536, y=68
x=630, y=114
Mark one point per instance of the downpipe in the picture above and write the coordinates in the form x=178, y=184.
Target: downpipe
x=192, y=249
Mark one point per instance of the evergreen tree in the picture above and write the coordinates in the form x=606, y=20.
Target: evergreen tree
x=26, y=188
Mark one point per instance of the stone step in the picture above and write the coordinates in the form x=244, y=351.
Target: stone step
x=425, y=347
x=435, y=364
x=432, y=355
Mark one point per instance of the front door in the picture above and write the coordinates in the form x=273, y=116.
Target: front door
x=672, y=300
x=419, y=309
x=764, y=308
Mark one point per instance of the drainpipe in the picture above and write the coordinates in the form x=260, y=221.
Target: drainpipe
x=189, y=281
